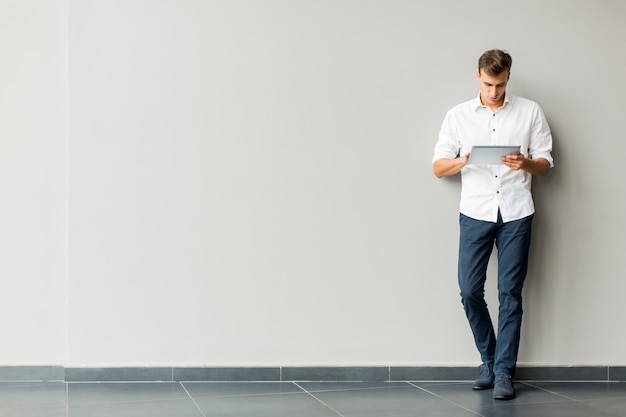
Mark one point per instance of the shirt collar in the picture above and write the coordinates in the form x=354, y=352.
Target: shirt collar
x=478, y=104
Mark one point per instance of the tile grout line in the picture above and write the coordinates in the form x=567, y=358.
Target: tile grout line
x=322, y=402
x=445, y=399
x=549, y=391
x=192, y=399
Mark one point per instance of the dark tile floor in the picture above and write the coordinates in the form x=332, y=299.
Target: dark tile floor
x=308, y=399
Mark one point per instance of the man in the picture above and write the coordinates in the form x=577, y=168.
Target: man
x=496, y=207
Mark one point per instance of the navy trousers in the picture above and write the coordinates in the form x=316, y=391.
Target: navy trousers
x=512, y=240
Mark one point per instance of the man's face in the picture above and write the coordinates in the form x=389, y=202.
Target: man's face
x=492, y=88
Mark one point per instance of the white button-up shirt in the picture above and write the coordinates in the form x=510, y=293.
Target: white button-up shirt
x=487, y=188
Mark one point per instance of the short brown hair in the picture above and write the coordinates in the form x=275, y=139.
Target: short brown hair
x=495, y=62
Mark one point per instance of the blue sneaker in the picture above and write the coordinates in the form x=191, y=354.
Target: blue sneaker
x=503, y=388
x=486, y=377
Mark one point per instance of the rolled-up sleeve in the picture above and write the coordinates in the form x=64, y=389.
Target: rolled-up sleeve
x=448, y=144
x=541, y=138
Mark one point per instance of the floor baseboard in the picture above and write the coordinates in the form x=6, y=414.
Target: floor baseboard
x=291, y=373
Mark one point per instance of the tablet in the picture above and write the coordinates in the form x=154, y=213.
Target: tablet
x=490, y=154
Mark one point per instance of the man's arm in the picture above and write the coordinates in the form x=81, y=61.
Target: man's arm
x=445, y=167
x=539, y=166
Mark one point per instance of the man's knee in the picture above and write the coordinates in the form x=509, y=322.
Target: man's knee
x=472, y=296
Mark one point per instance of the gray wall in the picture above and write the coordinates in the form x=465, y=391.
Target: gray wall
x=33, y=181
x=249, y=182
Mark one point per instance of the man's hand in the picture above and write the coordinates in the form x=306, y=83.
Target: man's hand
x=517, y=161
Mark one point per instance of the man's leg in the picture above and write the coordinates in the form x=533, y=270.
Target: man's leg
x=475, y=247
x=513, y=243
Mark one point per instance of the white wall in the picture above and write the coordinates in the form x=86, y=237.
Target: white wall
x=250, y=181
x=33, y=181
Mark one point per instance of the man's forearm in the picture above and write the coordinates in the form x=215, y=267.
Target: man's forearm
x=539, y=166
x=445, y=167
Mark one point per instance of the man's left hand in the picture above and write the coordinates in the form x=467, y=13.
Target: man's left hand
x=515, y=161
